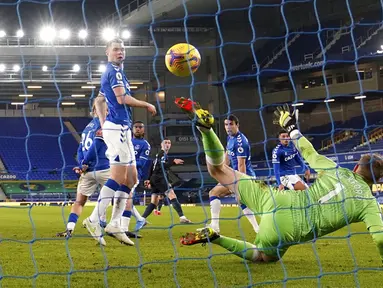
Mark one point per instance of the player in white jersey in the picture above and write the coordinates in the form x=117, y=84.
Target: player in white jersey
x=116, y=129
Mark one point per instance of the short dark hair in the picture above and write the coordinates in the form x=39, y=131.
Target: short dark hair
x=367, y=162
x=233, y=118
x=281, y=132
x=166, y=138
x=138, y=122
x=114, y=40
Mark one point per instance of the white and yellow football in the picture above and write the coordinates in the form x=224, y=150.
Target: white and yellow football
x=182, y=58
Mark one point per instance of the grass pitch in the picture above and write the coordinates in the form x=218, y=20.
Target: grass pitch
x=31, y=255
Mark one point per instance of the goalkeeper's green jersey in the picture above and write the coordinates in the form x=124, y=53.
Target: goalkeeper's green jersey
x=338, y=197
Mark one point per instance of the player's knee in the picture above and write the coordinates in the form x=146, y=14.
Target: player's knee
x=81, y=201
x=299, y=186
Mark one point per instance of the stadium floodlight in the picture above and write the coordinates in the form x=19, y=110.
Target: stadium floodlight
x=88, y=87
x=64, y=34
x=133, y=87
x=47, y=34
x=329, y=100
x=297, y=104
x=78, y=95
x=16, y=68
x=360, y=97
x=76, y=68
x=35, y=87
x=68, y=103
x=26, y=95
x=2, y=67
x=17, y=103
x=125, y=34
x=45, y=68
x=20, y=33
x=108, y=34
x=136, y=83
x=101, y=68
x=2, y=34
x=82, y=34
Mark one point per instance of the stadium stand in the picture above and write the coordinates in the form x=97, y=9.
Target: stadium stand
x=38, y=136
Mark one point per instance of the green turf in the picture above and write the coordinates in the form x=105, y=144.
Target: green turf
x=165, y=261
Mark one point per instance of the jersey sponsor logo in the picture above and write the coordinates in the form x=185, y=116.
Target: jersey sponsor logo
x=119, y=76
x=290, y=157
x=147, y=152
x=240, y=150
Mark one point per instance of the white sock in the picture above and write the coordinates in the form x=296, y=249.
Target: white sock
x=215, y=208
x=70, y=226
x=106, y=195
x=125, y=221
x=251, y=217
x=137, y=214
x=120, y=199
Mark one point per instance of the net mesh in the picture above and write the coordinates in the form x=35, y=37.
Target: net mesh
x=30, y=255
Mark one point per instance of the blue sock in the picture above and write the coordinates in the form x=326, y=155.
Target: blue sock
x=213, y=198
x=73, y=218
x=127, y=214
x=243, y=206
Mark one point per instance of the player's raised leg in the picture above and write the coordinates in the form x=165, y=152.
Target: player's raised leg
x=215, y=152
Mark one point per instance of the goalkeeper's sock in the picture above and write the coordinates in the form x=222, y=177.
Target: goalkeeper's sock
x=177, y=206
x=251, y=217
x=72, y=220
x=240, y=248
x=120, y=197
x=149, y=209
x=215, y=153
x=106, y=194
x=125, y=220
x=215, y=210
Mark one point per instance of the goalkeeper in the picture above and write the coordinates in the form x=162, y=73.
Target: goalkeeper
x=337, y=198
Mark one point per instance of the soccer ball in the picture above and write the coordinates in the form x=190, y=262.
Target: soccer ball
x=180, y=56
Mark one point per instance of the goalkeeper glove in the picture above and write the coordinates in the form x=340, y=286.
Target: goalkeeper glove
x=286, y=119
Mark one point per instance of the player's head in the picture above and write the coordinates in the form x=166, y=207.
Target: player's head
x=166, y=144
x=370, y=167
x=284, y=138
x=138, y=129
x=115, y=50
x=231, y=125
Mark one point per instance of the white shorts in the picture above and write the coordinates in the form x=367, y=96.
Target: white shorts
x=118, y=139
x=88, y=182
x=290, y=180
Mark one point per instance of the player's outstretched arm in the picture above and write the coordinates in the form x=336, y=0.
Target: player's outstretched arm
x=123, y=98
x=288, y=121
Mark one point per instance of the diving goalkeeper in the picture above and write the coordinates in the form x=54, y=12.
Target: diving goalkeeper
x=337, y=198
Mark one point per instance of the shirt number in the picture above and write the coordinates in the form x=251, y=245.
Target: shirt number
x=86, y=141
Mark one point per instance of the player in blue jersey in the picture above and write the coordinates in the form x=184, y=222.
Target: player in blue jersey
x=94, y=170
x=285, y=158
x=142, y=152
x=116, y=129
x=238, y=156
